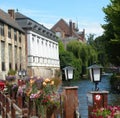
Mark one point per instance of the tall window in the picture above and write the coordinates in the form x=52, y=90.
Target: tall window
x=15, y=56
x=20, y=37
x=3, y=55
x=20, y=56
x=1, y=29
x=9, y=32
x=10, y=56
x=15, y=35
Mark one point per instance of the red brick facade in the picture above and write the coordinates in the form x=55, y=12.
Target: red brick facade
x=68, y=30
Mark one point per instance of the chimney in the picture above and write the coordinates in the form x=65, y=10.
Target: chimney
x=70, y=27
x=11, y=12
x=74, y=26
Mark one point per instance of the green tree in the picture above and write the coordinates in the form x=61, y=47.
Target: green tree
x=61, y=46
x=82, y=52
x=100, y=48
x=66, y=59
x=112, y=31
x=90, y=39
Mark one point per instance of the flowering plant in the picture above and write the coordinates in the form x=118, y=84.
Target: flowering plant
x=11, y=78
x=44, y=93
x=10, y=83
x=109, y=112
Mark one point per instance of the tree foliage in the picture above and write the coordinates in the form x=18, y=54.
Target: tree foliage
x=78, y=55
x=112, y=31
x=82, y=52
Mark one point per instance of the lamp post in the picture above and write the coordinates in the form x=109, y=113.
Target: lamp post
x=95, y=74
x=22, y=73
x=68, y=73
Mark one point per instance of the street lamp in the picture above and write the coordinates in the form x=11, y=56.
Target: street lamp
x=68, y=73
x=95, y=74
x=22, y=73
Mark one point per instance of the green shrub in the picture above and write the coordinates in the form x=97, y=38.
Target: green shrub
x=11, y=72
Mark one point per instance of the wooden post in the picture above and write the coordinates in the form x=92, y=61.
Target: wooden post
x=0, y=102
x=3, y=106
x=8, y=105
x=20, y=101
x=12, y=110
x=70, y=101
x=97, y=100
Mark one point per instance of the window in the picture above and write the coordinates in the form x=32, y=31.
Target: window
x=49, y=44
x=33, y=59
x=15, y=57
x=38, y=59
x=20, y=37
x=15, y=35
x=30, y=59
x=10, y=56
x=58, y=34
x=1, y=29
x=33, y=36
x=53, y=45
x=38, y=41
x=9, y=32
x=20, y=56
x=46, y=43
x=42, y=41
x=3, y=55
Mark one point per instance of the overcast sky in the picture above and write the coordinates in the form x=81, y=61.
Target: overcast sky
x=87, y=13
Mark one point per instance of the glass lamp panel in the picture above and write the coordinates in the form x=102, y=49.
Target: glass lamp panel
x=65, y=74
x=96, y=74
x=91, y=76
x=70, y=74
x=24, y=73
x=19, y=73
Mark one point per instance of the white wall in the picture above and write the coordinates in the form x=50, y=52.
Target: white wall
x=42, y=51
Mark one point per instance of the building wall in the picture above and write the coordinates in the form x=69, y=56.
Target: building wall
x=43, y=55
x=12, y=52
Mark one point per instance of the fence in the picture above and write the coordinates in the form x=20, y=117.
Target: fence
x=17, y=107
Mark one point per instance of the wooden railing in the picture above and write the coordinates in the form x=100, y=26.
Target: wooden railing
x=15, y=107
x=10, y=109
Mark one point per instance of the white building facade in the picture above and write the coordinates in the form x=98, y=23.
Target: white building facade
x=41, y=48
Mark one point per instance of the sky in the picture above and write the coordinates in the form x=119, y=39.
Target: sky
x=87, y=14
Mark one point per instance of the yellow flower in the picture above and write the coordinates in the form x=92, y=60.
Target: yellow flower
x=28, y=92
x=52, y=83
x=44, y=83
x=31, y=82
x=47, y=80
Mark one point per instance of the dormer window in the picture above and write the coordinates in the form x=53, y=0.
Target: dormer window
x=50, y=34
x=29, y=23
x=35, y=26
x=43, y=31
x=39, y=28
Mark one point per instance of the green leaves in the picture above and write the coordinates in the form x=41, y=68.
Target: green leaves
x=112, y=31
